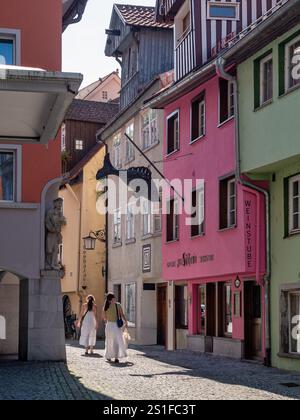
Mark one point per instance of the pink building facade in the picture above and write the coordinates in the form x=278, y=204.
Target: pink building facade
x=218, y=273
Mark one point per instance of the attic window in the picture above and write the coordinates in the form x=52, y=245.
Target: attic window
x=223, y=11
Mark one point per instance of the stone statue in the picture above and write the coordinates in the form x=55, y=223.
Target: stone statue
x=54, y=222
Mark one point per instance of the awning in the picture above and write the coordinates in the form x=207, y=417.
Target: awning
x=33, y=103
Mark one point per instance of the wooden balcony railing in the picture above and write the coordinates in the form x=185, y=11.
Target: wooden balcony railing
x=185, y=55
x=129, y=91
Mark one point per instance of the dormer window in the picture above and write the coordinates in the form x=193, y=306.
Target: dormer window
x=217, y=10
x=183, y=22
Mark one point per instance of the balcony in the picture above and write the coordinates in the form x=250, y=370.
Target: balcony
x=129, y=91
x=167, y=9
x=185, y=55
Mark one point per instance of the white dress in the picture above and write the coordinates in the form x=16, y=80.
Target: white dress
x=115, y=347
x=88, y=335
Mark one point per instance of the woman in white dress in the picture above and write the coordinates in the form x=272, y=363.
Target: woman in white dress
x=114, y=343
x=89, y=325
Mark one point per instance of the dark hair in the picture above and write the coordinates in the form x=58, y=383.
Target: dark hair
x=109, y=298
x=90, y=302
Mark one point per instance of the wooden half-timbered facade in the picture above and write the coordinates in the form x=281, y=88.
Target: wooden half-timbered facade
x=203, y=27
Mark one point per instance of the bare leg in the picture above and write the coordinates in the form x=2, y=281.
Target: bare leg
x=91, y=349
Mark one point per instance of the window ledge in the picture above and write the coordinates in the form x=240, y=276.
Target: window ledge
x=198, y=139
x=201, y=235
x=147, y=149
x=117, y=244
x=289, y=356
x=292, y=234
x=172, y=153
x=130, y=241
x=227, y=229
x=18, y=206
x=174, y=241
x=264, y=105
x=290, y=90
x=226, y=121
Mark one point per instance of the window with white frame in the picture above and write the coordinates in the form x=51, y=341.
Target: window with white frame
x=117, y=151
x=117, y=238
x=266, y=79
x=290, y=320
x=198, y=118
x=129, y=146
x=173, y=221
x=294, y=205
x=173, y=133
x=7, y=175
x=130, y=234
x=157, y=223
x=231, y=194
x=292, y=54
x=183, y=22
x=228, y=203
x=217, y=10
x=79, y=145
x=146, y=217
x=130, y=303
x=227, y=100
x=149, y=129
x=198, y=215
x=7, y=50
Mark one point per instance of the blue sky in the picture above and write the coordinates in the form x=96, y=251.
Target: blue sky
x=84, y=42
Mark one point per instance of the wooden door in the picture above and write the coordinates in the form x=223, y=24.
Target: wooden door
x=162, y=315
x=253, y=321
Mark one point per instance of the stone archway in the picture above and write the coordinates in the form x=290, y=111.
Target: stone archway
x=10, y=297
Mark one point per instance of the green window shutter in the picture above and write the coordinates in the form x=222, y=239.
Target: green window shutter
x=286, y=206
x=257, y=83
x=281, y=68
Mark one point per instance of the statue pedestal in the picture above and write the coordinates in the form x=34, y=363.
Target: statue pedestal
x=42, y=324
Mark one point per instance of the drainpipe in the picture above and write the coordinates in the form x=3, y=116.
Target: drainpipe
x=71, y=191
x=224, y=75
x=106, y=222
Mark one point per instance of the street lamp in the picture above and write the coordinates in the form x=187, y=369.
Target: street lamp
x=90, y=241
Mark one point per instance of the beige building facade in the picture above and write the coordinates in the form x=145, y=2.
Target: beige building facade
x=105, y=89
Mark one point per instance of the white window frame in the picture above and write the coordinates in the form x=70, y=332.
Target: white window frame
x=146, y=217
x=130, y=151
x=180, y=35
x=14, y=35
x=79, y=145
x=17, y=151
x=200, y=210
x=229, y=209
x=290, y=294
x=157, y=216
x=202, y=106
x=131, y=322
x=223, y=4
x=291, y=207
x=231, y=94
x=117, y=150
x=176, y=221
x=152, y=121
x=287, y=68
x=177, y=144
x=117, y=226
x=262, y=80
x=130, y=222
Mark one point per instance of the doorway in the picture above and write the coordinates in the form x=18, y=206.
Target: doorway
x=162, y=315
x=253, y=321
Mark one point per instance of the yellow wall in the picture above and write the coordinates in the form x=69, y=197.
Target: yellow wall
x=82, y=218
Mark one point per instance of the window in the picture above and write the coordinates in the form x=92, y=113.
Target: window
x=201, y=310
x=79, y=144
x=117, y=226
x=197, y=227
x=290, y=320
x=158, y=214
x=227, y=100
x=227, y=203
x=146, y=217
x=63, y=138
x=129, y=146
x=294, y=204
x=181, y=307
x=104, y=94
x=7, y=175
x=130, y=303
x=149, y=129
x=130, y=223
x=117, y=151
x=173, y=221
x=173, y=133
x=118, y=292
x=222, y=11
x=198, y=118
x=292, y=51
x=228, y=326
x=266, y=79
x=7, y=51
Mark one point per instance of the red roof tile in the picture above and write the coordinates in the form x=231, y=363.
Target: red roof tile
x=140, y=16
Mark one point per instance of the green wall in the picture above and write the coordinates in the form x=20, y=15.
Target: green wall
x=271, y=133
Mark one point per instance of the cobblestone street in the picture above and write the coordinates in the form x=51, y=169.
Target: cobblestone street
x=149, y=373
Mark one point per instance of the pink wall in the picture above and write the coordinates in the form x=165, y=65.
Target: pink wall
x=239, y=251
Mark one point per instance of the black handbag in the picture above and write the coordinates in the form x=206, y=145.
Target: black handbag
x=120, y=321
